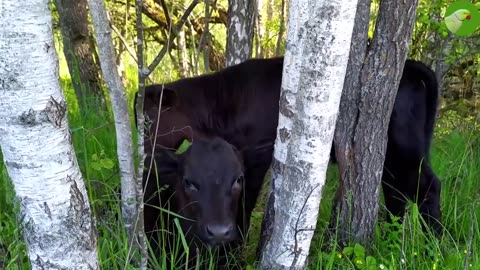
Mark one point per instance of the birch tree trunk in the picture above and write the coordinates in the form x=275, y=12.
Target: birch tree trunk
x=240, y=28
x=182, y=53
x=122, y=120
x=363, y=122
x=58, y=226
x=85, y=73
x=314, y=70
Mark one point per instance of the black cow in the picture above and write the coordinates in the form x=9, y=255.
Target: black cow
x=204, y=186
x=410, y=135
x=237, y=108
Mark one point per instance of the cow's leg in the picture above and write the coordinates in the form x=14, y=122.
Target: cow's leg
x=254, y=176
x=425, y=190
x=393, y=191
x=256, y=166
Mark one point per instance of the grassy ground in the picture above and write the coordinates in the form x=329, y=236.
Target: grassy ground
x=455, y=158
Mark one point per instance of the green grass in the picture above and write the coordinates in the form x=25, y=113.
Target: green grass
x=455, y=159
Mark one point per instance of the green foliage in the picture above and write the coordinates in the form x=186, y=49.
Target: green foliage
x=455, y=158
x=13, y=253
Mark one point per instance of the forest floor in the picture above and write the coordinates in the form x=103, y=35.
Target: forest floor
x=455, y=159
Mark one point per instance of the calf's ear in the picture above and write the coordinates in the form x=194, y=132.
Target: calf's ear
x=153, y=94
x=167, y=162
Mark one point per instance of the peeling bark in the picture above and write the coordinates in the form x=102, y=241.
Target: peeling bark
x=314, y=70
x=367, y=104
x=58, y=225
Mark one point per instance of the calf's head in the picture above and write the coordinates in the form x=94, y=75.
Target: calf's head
x=208, y=186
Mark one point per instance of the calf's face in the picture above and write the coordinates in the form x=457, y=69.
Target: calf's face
x=208, y=186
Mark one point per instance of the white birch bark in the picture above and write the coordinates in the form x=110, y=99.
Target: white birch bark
x=314, y=70
x=240, y=28
x=123, y=129
x=36, y=143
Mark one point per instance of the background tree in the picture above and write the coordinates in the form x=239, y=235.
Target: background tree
x=311, y=89
x=79, y=50
x=58, y=226
x=365, y=112
x=240, y=29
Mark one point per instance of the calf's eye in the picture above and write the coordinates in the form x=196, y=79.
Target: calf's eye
x=238, y=182
x=189, y=185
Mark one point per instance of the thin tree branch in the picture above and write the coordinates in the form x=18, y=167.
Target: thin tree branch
x=167, y=14
x=127, y=47
x=172, y=37
x=125, y=43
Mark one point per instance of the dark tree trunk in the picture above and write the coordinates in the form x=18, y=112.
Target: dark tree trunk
x=367, y=102
x=78, y=50
x=240, y=26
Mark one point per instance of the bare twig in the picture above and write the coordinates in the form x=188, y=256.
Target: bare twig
x=296, y=251
x=124, y=41
x=129, y=49
x=172, y=37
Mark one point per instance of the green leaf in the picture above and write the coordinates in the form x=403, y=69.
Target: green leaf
x=348, y=251
x=183, y=147
x=371, y=263
x=107, y=163
x=96, y=166
x=359, y=251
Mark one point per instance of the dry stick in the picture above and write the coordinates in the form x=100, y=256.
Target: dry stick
x=140, y=130
x=172, y=37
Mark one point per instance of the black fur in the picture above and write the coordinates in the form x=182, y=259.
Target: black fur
x=240, y=105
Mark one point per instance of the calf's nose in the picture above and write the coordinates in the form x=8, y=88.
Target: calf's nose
x=219, y=232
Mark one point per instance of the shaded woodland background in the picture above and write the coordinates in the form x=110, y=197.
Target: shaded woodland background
x=199, y=47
